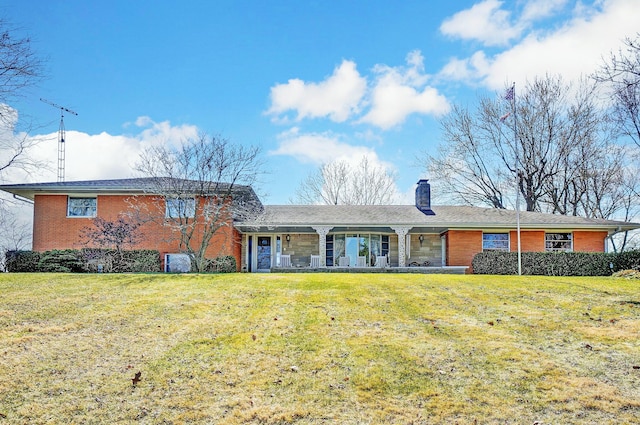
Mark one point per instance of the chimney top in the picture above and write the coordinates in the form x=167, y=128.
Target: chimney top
x=423, y=197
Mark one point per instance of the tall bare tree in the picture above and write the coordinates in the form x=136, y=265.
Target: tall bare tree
x=20, y=69
x=621, y=73
x=567, y=164
x=203, y=185
x=342, y=183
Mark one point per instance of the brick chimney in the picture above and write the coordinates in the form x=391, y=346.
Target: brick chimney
x=423, y=197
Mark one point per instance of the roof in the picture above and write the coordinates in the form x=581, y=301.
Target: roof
x=305, y=217
x=116, y=186
x=446, y=217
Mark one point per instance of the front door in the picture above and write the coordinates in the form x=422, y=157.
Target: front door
x=263, y=255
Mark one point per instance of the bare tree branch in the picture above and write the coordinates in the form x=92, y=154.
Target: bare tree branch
x=621, y=73
x=568, y=163
x=341, y=183
x=205, y=184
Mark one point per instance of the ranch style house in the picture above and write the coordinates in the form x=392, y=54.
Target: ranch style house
x=418, y=237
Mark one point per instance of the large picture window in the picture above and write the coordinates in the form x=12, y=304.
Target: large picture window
x=355, y=246
x=558, y=242
x=179, y=207
x=81, y=207
x=495, y=242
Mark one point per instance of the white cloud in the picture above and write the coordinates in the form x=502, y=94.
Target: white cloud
x=401, y=91
x=466, y=69
x=537, y=9
x=396, y=93
x=572, y=50
x=337, y=97
x=484, y=21
x=100, y=156
x=317, y=148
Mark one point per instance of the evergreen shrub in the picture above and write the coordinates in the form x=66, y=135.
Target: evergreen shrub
x=545, y=263
x=22, y=261
x=222, y=264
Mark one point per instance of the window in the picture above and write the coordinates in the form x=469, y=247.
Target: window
x=495, y=242
x=354, y=245
x=81, y=207
x=178, y=207
x=558, y=242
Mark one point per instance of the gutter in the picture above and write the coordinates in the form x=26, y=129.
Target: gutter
x=20, y=198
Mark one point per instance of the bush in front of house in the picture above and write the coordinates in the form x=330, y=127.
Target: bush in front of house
x=61, y=261
x=83, y=261
x=22, y=261
x=114, y=261
x=628, y=260
x=222, y=264
x=544, y=263
x=142, y=261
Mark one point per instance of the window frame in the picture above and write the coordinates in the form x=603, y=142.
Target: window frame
x=548, y=241
x=183, y=204
x=502, y=249
x=90, y=211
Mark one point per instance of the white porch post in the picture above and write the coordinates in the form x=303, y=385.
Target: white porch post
x=322, y=235
x=402, y=249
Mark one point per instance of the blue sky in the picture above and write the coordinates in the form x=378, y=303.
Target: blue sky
x=308, y=81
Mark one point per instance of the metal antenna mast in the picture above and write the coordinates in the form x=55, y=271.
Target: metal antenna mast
x=61, y=137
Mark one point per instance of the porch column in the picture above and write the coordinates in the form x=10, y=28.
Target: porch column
x=402, y=249
x=322, y=234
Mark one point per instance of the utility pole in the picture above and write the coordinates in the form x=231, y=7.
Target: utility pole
x=61, y=137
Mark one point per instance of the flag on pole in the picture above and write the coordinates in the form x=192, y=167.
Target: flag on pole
x=510, y=93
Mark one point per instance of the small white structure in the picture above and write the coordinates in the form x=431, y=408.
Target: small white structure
x=177, y=263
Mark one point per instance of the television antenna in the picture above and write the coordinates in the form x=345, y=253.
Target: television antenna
x=61, y=137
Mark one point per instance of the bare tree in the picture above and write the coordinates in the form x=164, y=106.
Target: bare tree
x=567, y=161
x=16, y=234
x=203, y=186
x=118, y=234
x=20, y=69
x=621, y=73
x=341, y=183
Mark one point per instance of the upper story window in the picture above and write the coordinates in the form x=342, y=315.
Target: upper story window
x=495, y=242
x=81, y=207
x=558, y=242
x=178, y=207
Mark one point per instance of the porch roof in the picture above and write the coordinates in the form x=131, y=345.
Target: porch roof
x=290, y=217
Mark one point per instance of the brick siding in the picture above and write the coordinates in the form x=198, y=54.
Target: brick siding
x=463, y=245
x=52, y=229
x=585, y=241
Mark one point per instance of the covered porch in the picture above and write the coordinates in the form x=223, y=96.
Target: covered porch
x=346, y=249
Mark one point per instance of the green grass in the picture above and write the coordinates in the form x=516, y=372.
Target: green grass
x=318, y=349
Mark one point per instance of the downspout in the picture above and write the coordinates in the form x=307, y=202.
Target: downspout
x=611, y=235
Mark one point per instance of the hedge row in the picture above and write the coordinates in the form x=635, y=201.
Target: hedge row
x=222, y=264
x=83, y=261
x=94, y=260
x=556, y=263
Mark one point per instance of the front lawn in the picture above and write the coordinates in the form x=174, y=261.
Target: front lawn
x=318, y=349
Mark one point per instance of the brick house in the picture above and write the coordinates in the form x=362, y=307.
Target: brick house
x=441, y=238
x=63, y=210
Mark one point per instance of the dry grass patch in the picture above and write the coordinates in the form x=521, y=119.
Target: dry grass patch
x=318, y=348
